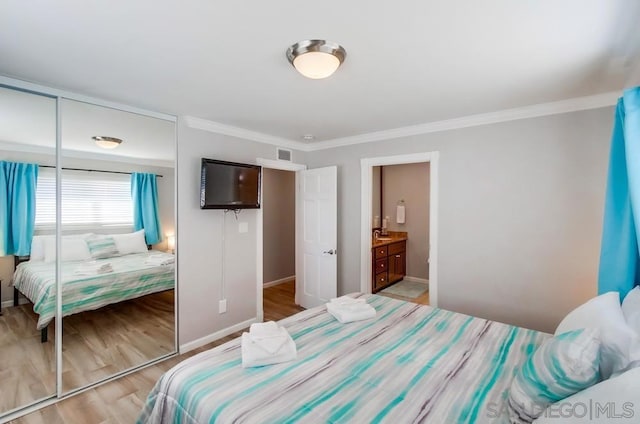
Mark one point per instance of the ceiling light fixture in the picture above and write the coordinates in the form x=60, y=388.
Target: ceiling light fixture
x=308, y=137
x=316, y=59
x=107, y=142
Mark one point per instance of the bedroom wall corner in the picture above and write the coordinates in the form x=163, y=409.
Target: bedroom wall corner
x=200, y=242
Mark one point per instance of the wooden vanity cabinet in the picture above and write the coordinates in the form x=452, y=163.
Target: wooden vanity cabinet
x=389, y=264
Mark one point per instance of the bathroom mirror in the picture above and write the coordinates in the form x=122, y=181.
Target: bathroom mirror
x=27, y=147
x=118, y=230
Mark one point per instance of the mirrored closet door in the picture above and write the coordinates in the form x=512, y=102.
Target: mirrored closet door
x=27, y=248
x=118, y=235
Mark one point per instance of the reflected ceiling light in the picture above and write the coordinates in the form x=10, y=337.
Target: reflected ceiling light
x=107, y=142
x=316, y=59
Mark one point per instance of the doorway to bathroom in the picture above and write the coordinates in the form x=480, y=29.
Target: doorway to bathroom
x=399, y=227
x=400, y=231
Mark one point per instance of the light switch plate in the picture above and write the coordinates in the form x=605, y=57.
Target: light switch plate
x=243, y=227
x=222, y=306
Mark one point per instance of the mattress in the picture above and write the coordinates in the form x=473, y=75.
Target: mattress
x=132, y=277
x=411, y=363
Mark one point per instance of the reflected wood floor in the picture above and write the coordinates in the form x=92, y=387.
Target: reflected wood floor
x=95, y=345
x=122, y=400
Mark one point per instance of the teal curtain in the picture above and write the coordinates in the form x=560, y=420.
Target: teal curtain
x=144, y=192
x=620, y=243
x=17, y=207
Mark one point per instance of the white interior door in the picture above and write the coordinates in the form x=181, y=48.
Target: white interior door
x=316, y=236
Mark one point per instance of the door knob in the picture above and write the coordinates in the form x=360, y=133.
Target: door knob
x=331, y=252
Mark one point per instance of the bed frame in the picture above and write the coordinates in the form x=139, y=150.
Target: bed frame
x=17, y=260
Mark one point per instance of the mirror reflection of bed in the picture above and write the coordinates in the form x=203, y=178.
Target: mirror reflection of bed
x=117, y=250
x=118, y=310
x=118, y=300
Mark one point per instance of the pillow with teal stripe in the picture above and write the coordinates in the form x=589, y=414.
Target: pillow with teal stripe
x=102, y=247
x=560, y=367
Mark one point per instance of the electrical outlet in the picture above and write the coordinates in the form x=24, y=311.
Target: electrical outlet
x=243, y=227
x=222, y=306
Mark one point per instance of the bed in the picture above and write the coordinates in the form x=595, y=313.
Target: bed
x=411, y=363
x=132, y=277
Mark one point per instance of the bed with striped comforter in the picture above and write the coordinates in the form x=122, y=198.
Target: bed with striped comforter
x=132, y=277
x=410, y=364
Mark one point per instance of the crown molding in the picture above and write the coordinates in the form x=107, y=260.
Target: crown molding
x=218, y=128
x=526, y=112
x=506, y=115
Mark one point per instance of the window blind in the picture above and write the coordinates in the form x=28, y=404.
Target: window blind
x=88, y=199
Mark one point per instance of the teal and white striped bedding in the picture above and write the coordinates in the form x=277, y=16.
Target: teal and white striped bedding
x=131, y=278
x=409, y=364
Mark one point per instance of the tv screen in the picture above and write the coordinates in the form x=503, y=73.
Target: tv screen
x=229, y=185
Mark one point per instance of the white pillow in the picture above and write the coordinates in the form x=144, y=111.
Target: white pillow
x=620, y=395
x=560, y=367
x=631, y=309
x=74, y=248
x=37, y=247
x=620, y=344
x=131, y=243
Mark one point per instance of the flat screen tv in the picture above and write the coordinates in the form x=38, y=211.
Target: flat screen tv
x=229, y=185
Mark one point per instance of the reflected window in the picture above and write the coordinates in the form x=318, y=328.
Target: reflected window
x=90, y=200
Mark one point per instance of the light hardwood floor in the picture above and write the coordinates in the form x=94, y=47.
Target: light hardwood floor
x=96, y=344
x=122, y=400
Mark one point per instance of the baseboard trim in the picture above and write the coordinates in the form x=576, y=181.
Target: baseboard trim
x=184, y=348
x=279, y=281
x=416, y=280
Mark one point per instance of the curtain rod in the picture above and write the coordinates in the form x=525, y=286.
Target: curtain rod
x=93, y=170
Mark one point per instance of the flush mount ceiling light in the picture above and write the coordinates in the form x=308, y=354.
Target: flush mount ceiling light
x=107, y=142
x=316, y=59
x=308, y=137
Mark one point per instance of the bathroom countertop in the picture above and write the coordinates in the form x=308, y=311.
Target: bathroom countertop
x=394, y=237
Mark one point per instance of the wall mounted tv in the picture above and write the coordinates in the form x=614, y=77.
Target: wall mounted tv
x=229, y=185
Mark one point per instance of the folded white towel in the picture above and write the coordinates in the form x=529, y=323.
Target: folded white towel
x=264, y=329
x=93, y=268
x=346, y=313
x=258, y=351
x=160, y=260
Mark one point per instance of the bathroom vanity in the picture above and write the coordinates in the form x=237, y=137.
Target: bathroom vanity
x=389, y=259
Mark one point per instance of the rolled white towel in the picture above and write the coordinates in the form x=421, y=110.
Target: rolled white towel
x=93, y=268
x=346, y=313
x=160, y=260
x=268, y=350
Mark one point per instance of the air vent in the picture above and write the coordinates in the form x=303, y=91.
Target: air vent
x=284, y=154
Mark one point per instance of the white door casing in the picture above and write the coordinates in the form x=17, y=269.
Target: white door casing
x=316, y=236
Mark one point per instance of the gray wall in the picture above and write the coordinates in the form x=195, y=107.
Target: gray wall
x=520, y=213
x=200, y=239
x=279, y=222
x=410, y=182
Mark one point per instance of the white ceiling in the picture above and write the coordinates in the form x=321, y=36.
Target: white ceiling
x=408, y=62
x=28, y=123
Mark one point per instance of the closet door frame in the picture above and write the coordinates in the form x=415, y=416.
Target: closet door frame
x=59, y=95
